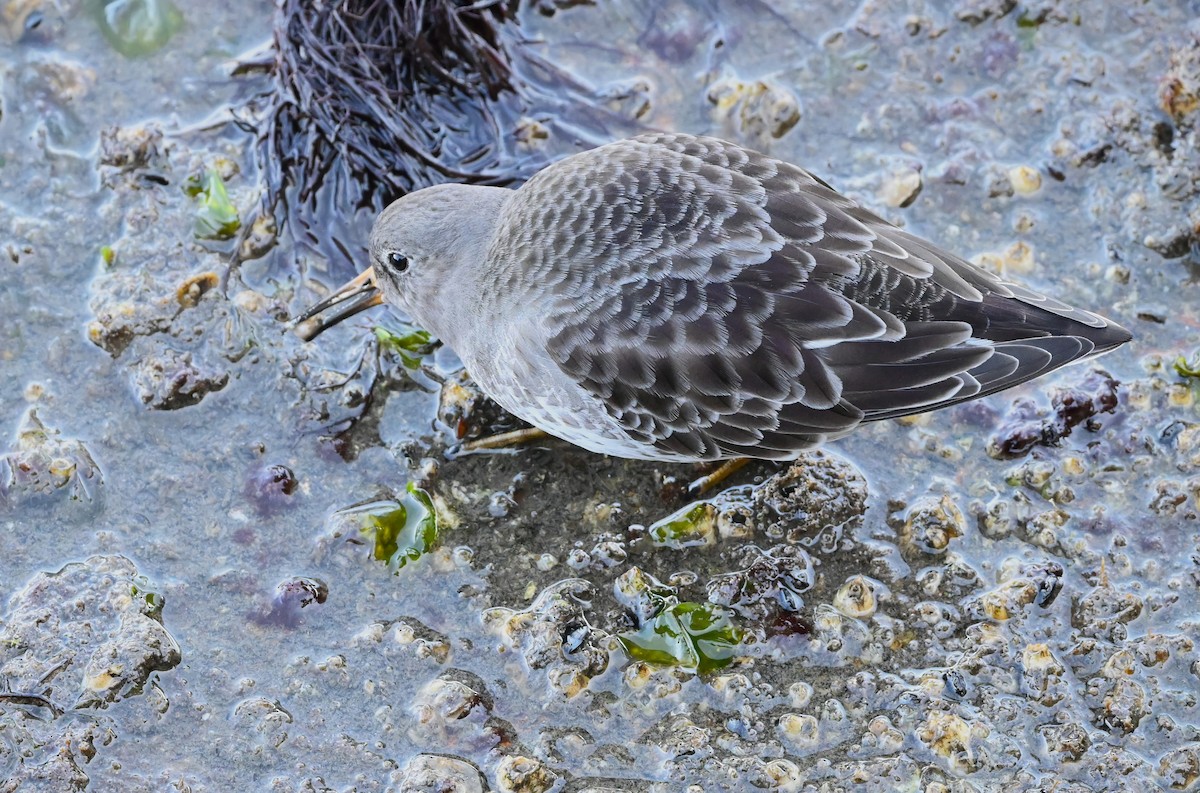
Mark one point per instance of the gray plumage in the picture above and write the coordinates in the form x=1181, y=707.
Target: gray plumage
x=682, y=298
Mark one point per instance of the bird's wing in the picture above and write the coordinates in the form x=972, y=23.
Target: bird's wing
x=723, y=303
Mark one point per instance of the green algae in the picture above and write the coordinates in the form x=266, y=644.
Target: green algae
x=404, y=533
x=136, y=28
x=216, y=216
x=410, y=345
x=1188, y=367
x=694, y=525
x=697, y=636
x=140, y=588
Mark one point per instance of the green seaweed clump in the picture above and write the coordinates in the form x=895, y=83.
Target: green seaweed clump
x=410, y=346
x=216, y=217
x=404, y=533
x=699, y=636
x=694, y=525
x=137, y=27
x=1027, y=20
x=1190, y=368
x=696, y=636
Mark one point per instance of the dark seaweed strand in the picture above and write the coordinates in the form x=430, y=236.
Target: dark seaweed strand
x=374, y=99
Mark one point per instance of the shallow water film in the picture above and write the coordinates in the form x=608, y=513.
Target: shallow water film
x=231, y=560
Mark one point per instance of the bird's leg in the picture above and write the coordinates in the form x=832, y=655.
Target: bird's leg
x=505, y=439
x=707, y=482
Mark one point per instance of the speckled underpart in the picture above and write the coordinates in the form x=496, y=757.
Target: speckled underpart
x=673, y=297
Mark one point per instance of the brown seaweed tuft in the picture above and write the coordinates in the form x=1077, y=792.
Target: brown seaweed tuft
x=374, y=98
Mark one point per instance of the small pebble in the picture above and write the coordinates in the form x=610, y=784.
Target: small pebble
x=855, y=598
x=901, y=188
x=1025, y=180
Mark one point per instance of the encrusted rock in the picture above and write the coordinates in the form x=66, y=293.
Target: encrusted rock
x=407, y=634
x=1179, y=91
x=805, y=734
x=952, y=738
x=88, y=634
x=45, y=770
x=267, y=718
x=1124, y=706
x=774, y=581
x=438, y=773
x=125, y=149
x=1180, y=768
x=818, y=491
x=452, y=695
x=553, y=634
x=931, y=524
x=517, y=774
x=758, y=109
x=630, y=98
x=42, y=462
x=169, y=379
x=58, y=81
x=455, y=709
x=1105, y=611
x=976, y=11
x=127, y=306
x=1042, y=674
x=1068, y=742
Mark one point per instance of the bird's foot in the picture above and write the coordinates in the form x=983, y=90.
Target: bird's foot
x=707, y=482
x=503, y=440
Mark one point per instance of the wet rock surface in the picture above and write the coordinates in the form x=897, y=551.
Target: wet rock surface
x=168, y=379
x=817, y=493
x=72, y=644
x=85, y=637
x=1001, y=596
x=42, y=462
x=1028, y=425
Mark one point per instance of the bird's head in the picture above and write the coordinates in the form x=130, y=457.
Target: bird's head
x=426, y=249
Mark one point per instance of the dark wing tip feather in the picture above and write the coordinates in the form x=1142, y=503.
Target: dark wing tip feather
x=1106, y=338
x=1026, y=314
x=1011, y=363
x=1013, y=339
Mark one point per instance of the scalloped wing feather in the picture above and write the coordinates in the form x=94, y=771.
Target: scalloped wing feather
x=720, y=303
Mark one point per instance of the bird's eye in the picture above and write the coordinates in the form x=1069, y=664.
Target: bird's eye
x=398, y=262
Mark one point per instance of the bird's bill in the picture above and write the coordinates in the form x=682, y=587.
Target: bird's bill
x=348, y=300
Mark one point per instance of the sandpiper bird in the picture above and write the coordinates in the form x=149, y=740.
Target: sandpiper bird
x=681, y=298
